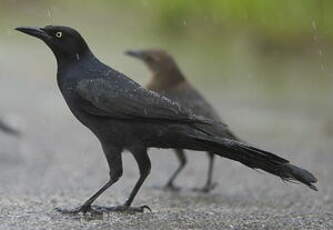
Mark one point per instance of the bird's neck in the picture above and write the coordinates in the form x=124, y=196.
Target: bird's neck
x=166, y=79
x=71, y=68
x=65, y=60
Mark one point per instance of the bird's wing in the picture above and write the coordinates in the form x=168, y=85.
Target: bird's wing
x=189, y=97
x=120, y=99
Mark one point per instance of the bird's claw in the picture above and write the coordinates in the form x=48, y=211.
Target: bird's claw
x=206, y=188
x=171, y=187
x=146, y=207
x=123, y=208
x=82, y=209
x=99, y=210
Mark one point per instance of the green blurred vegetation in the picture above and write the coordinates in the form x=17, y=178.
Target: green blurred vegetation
x=279, y=48
x=271, y=16
x=275, y=19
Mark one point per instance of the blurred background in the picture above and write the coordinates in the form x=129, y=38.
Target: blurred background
x=265, y=65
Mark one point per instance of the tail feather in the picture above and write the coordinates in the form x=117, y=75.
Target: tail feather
x=259, y=159
x=301, y=175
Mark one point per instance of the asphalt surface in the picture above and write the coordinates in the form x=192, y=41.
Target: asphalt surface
x=59, y=163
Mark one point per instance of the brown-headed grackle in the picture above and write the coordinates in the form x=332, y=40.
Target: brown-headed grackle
x=168, y=80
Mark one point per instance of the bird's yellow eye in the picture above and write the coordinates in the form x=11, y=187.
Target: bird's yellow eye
x=59, y=34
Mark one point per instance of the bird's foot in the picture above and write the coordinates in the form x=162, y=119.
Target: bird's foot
x=171, y=187
x=122, y=208
x=83, y=209
x=168, y=187
x=206, y=189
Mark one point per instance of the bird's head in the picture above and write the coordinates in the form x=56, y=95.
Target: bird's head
x=159, y=62
x=65, y=42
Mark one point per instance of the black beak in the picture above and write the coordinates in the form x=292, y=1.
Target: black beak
x=135, y=53
x=34, y=31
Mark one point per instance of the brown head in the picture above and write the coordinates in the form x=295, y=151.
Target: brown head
x=165, y=70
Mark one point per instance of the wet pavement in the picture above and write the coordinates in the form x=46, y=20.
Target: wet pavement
x=59, y=163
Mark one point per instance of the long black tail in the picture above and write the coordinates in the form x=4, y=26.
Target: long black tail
x=259, y=159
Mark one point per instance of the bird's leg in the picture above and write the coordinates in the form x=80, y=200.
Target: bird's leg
x=86, y=207
x=141, y=157
x=182, y=160
x=116, y=171
x=209, y=185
